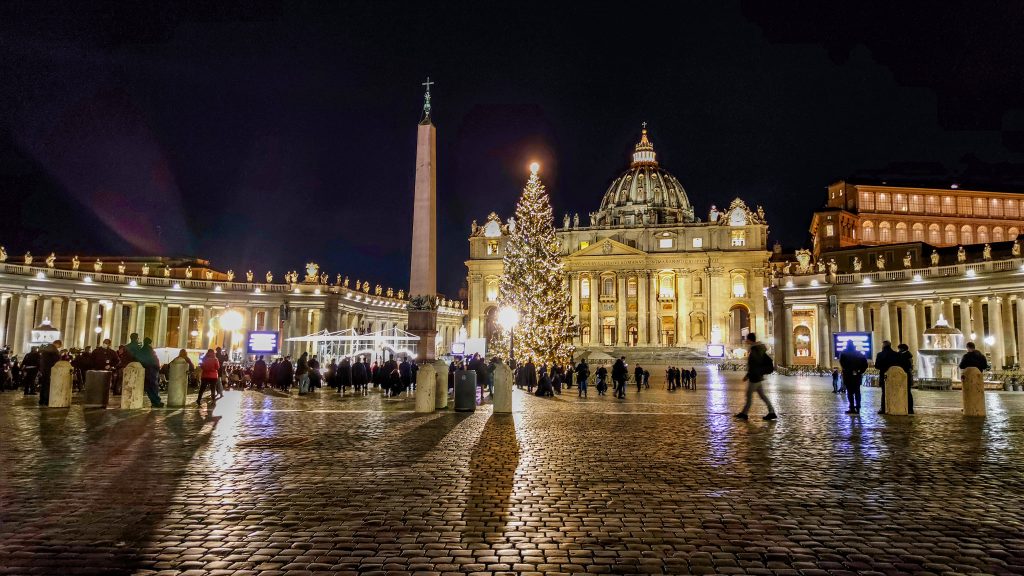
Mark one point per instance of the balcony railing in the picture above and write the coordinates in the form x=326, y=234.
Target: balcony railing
x=965, y=269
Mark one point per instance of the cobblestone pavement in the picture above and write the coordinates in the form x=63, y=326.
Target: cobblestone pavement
x=659, y=483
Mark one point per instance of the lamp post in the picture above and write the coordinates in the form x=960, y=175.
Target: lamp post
x=508, y=317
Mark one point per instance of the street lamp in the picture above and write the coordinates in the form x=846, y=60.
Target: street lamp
x=508, y=317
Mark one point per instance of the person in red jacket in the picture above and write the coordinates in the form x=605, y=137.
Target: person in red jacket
x=209, y=373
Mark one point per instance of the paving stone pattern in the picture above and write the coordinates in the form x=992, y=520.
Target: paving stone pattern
x=659, y=483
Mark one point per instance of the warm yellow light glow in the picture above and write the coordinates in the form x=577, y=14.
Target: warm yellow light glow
x=231, y=320
x=535, y=167
x=508, y=317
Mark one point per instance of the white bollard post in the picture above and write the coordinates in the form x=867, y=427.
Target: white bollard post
x=502, y=388
x=441, y=384
x=973, y=392
x=133, y=379
x=896, y=391
x=60, y=385
x=177, y=382
x=425, y=388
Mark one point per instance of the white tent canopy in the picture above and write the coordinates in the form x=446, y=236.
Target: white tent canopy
x=348, y=343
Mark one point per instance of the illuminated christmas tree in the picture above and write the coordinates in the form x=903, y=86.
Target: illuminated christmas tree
x=533, y=282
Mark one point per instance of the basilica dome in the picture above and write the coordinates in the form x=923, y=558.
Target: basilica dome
x=644, y=194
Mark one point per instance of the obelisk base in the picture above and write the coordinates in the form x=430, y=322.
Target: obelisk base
x=423, y=323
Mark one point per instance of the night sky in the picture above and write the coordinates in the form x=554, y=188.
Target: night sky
x=264, y=135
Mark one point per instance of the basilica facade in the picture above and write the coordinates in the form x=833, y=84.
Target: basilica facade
x=647, y=273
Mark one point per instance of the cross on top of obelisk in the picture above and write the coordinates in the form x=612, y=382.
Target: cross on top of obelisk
x=426, y=101
x=642, y=124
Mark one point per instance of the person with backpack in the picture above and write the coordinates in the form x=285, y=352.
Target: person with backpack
x=759, y=364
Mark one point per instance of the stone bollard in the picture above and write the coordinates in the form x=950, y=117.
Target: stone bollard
x=440, y=384
x=974, y=392
x=177, y=382
x=97, y=388
x=896, y=391
x=502, y=388
x=425, y=388
x=60, y=385
x=133, y=378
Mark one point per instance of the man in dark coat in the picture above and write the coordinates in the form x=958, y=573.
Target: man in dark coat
x=529, y=375
x=285, y=373
x=360, y=375
x=405, y=373
x=30, y=370
x=883, y=361
x=259, y=373
x=905, y=360
x=344, y=377
x=582, y=373
x=759, y=364
x=972, y=359
x=619, y=377
x=638, y=375
x=49, y=354
x=853, y=365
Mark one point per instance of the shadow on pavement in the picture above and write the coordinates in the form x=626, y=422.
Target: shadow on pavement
x=492, y=472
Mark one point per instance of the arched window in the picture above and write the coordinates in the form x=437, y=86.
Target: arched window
x=901, y=231
x=1012, y=233
x=950, y=234
x=607, y=286
x=931, y=204
x=869, y=230
x=934, y=236
x=917, y=232
x=966, y=237
x=631, y=287
x=492, y=289
x=585, y=287
x=997, y=234
x=631, y=336
x=802, y=341
x=884, y=232
x=982, y=234
x=585, y=335
x=665, y=289
x=739, y=286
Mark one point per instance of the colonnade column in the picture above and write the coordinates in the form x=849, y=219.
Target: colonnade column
x=160, y=337
x=919, y=327
x=910, y=326
x=1007, y=335
x=70, y=315
x=883, y=328
x=4, y=298
x=92, y=322
x=995, y=329
x=47, y=309
x=14, y=325
x=787, y=338
x=183, y=327
x=978, y=321
x=117, y=324
x=947, y=311
x=641, y=309
x=620, y=301
x=654, y=310
x=860, y=317
x=965, y=318
x=824, y=349
x=140, y=320
x=1019, y=305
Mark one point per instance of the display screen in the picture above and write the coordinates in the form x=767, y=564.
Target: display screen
x=458, y=348
x=861, y=340
x=716, y=351
x=262, y=343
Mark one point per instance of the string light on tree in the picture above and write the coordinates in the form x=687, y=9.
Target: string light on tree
x=533, y=281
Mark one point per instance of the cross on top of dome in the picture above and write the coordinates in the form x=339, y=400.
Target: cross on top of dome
x=644, y=153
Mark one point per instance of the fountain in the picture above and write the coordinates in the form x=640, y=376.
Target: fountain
x=940, y=356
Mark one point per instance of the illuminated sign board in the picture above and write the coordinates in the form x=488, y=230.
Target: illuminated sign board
x=262, y=343
x=716, y=351
x=861, y=341
x=458, y=348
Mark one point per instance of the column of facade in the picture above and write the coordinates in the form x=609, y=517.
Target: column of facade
x=57, y=313
x=574, y=302
x=140, y=319
x=859, y=311
x=117, y=323
x=37, y=310
x=160, y=337
x=47, y=309
x=947, y=311
x=894, y=328
x=653, y=311
x=205, y=338
x=183, y=327
x=4, y=300
x=910, y=326
x=1019, y=308
x=682, y=335
x=787, y=338
x=642, y=323
x=14, y=323
x=595, y=307
x=965, y=318
x=884, y=322
x=92, y=322
x=1007, y=334
x=824, y=348
x=920, y=327
x=978, y=322
x=995, y=329
x=620, y=302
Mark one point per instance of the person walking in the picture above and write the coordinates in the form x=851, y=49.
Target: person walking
x=582, y=373
x=638, y=375
x=302, y=373
x=883, y=361
x=693, y=378
x=835, y=380
x=530, y=375
x=360, y=375
x=619, y=372
x=209, y=372
x=853, y=365
x=602, y=381
x=344, y=377
x=260, y=373
x=905, y=360
x=286, y=374
x=759, y=364
x=49, y=354
x=30, y=370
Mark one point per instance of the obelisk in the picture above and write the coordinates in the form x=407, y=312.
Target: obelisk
x=423, y=268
